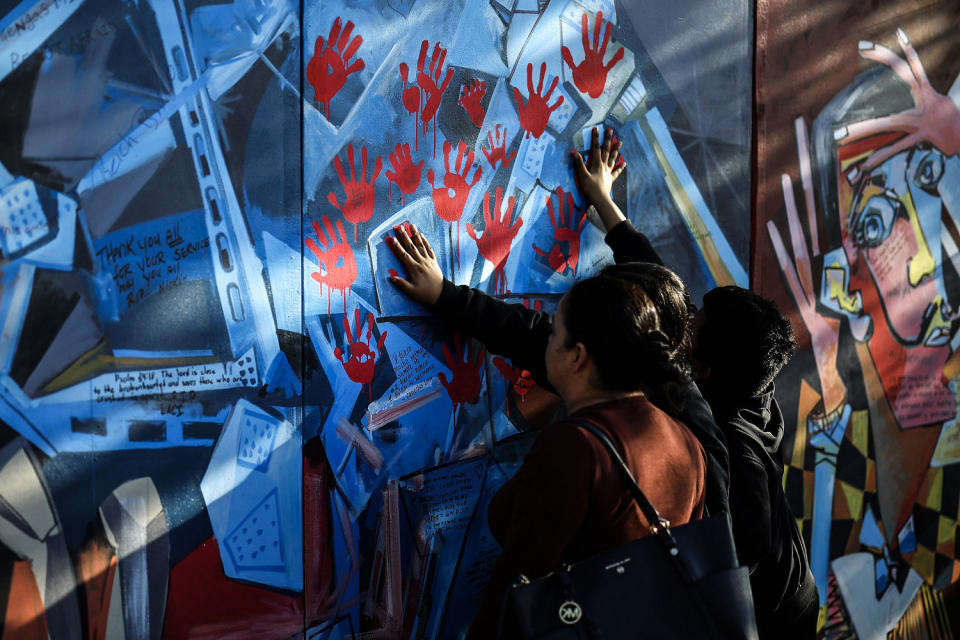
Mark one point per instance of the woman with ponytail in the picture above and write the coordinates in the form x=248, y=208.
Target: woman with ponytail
x=611, y=364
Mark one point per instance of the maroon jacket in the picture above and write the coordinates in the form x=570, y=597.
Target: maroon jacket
x=568, y=500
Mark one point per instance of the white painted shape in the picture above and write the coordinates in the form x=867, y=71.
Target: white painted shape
x=39, y=19
x=59, y=252
x=22, y=488
x=872, y=618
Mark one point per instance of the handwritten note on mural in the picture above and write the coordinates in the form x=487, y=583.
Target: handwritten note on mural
x=118, y=386
x=151, y=257
x=449, y=495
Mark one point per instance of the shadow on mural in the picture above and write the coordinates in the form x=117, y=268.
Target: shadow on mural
x=219, y=419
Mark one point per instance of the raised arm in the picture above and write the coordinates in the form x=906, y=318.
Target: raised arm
x=505, y=329
x=595, y=178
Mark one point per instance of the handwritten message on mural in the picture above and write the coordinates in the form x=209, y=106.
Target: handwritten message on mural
x=449, y=495
x=146, y=259
x=118, y=386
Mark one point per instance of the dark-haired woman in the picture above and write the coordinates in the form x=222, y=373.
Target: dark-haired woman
x=567, y=501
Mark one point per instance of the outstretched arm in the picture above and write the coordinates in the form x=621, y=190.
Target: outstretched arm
x=596, y=178
x=505, y=329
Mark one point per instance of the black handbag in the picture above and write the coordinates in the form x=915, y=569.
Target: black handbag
x=679, y=582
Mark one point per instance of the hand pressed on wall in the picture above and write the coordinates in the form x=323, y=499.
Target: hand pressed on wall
x=604, y=165
x=424, y=280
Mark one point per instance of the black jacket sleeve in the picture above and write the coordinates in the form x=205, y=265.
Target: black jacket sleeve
x=629, y=245
x=510, y=330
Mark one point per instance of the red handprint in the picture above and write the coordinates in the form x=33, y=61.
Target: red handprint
x=590, y=75
x=470, y=97
x=498, y=235
x=498, y=149
x=570, y=235
x=464, y=387
x=430, y=82
x=328, y=69
x=534, y=114
x=429, y=88
x=358, y=195
x=450, y=207
x=360, y=364
x=338, y=268
x=405, y=174
x=520, y=379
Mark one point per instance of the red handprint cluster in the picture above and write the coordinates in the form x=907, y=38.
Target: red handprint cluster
x=471, y=100
x=559, y=259
x=338, y=268
x=498, y=149
x=359, y=196
x=464, y=384
x=330, y=65
x=498, y=235
x=590, y=76
x=361, y=359
x=405, y=174
x=534, y=113
x=450, y=199
x=424, y=97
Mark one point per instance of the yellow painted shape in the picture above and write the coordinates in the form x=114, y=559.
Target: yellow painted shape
x=854, y=501
x=946, y=533
x=923, y=562
x=859, y=430
x=834, y=276
x=922, y=263
x=931, y=491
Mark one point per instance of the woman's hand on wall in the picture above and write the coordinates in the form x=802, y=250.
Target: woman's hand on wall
x=424, y=280
x=595, y=178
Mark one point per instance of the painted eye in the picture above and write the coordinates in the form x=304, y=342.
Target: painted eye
x=928, y=169
x=874, y=223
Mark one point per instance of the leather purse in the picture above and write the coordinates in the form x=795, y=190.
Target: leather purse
x=678, y=582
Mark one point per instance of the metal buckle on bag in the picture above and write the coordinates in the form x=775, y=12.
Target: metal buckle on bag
x=662, y=525
x=523, y=579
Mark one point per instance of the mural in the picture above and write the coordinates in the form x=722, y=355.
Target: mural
x=219, y=419
x=863, y=251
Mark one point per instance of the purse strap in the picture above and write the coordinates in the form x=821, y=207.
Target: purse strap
x=658, y=525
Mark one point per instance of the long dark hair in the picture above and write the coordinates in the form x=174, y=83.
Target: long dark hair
x=617, y=323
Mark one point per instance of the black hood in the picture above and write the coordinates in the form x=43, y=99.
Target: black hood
x=758, y=416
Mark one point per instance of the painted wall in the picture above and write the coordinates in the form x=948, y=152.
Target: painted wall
x=220, y=421
x=856, y=235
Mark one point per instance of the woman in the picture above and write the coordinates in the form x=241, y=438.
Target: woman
x=606, y=357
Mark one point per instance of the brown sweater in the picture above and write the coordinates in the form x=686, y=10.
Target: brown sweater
x=568, y=501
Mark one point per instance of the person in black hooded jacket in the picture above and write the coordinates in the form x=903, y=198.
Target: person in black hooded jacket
x=740, y=343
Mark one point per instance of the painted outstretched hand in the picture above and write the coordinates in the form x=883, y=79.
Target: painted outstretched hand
x=935, y=118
